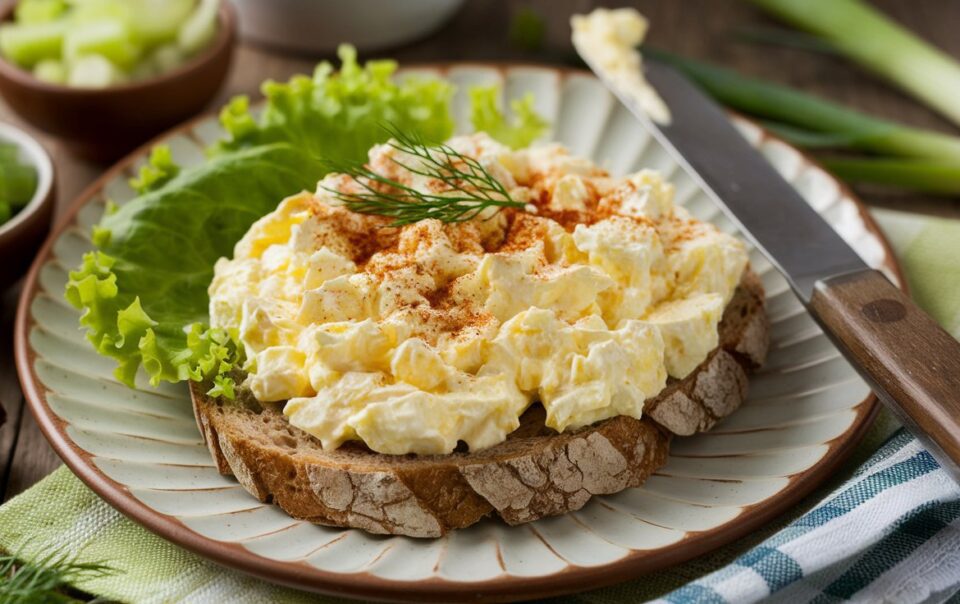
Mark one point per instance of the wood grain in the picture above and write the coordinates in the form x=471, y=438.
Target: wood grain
x=909, y=359
x=10, y=396
x=698, y=28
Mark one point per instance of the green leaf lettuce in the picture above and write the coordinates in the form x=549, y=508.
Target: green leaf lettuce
x=144, y=291
x=340, y=114
x=485, y=115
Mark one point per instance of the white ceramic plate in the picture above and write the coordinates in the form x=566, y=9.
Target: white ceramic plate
x=140, y=449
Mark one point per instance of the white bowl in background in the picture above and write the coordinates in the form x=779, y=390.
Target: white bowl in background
x=319, y=26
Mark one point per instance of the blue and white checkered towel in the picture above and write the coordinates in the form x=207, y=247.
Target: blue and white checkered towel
x=890, y=534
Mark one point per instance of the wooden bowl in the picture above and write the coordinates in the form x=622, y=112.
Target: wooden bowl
x=103, y=123
x=21, y=236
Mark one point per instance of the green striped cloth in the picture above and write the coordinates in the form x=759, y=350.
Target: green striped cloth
x=805, y=556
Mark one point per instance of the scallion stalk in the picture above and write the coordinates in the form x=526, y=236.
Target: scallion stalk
x=850, y=129
x=807, y=139
x=921, y=176
x=876, y=42
x=785, y=38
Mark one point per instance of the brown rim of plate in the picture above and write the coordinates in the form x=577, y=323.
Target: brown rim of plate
x=226, y=29
x=299, y=575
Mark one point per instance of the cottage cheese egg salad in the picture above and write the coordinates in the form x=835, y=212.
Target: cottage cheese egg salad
x=554, y=283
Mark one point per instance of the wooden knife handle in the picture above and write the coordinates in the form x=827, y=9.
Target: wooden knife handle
x=908, y=358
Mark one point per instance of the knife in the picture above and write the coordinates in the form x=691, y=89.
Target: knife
x=910, y=362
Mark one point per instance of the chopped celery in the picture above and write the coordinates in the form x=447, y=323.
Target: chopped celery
x=200, y=28
x=157, y=21
x=108, y=38
x=139, y=38
x=91, y=11
x=144, y=70
x=166, y=58
x=39, y=11
x=94, y=71
x=28, y=44
x=50, y=70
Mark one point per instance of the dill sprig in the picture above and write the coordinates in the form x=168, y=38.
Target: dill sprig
x=48, y=579
x=468, y=189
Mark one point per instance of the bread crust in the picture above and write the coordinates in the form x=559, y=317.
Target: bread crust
x=535, y=473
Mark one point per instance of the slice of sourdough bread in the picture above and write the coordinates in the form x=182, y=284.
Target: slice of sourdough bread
x=535, y=473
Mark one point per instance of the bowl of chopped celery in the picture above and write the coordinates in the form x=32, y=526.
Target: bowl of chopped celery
x=106, y=75
x=26, y=201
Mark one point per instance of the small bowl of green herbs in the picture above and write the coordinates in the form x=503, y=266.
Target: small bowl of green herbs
x=26, y=201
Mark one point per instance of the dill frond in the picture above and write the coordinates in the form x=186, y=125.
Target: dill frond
x=46, y=580
x=469, y=189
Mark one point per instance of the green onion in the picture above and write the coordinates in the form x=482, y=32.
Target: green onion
x=807, y=139
x=853, y=129
x=775, y=36
x=921, y=176
x=879, y=44
x=527, y=29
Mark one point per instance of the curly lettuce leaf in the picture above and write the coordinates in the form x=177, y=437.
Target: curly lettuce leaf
x=340, y=114
x=144, y=291
x=524, y=128
x=158, y=171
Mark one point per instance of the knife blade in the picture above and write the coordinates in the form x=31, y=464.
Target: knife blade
x=910, y=362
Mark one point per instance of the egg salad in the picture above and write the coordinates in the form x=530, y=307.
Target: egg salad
x=608, y=40
x=414, y=339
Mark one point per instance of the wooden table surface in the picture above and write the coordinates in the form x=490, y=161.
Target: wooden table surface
x=698, y=28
